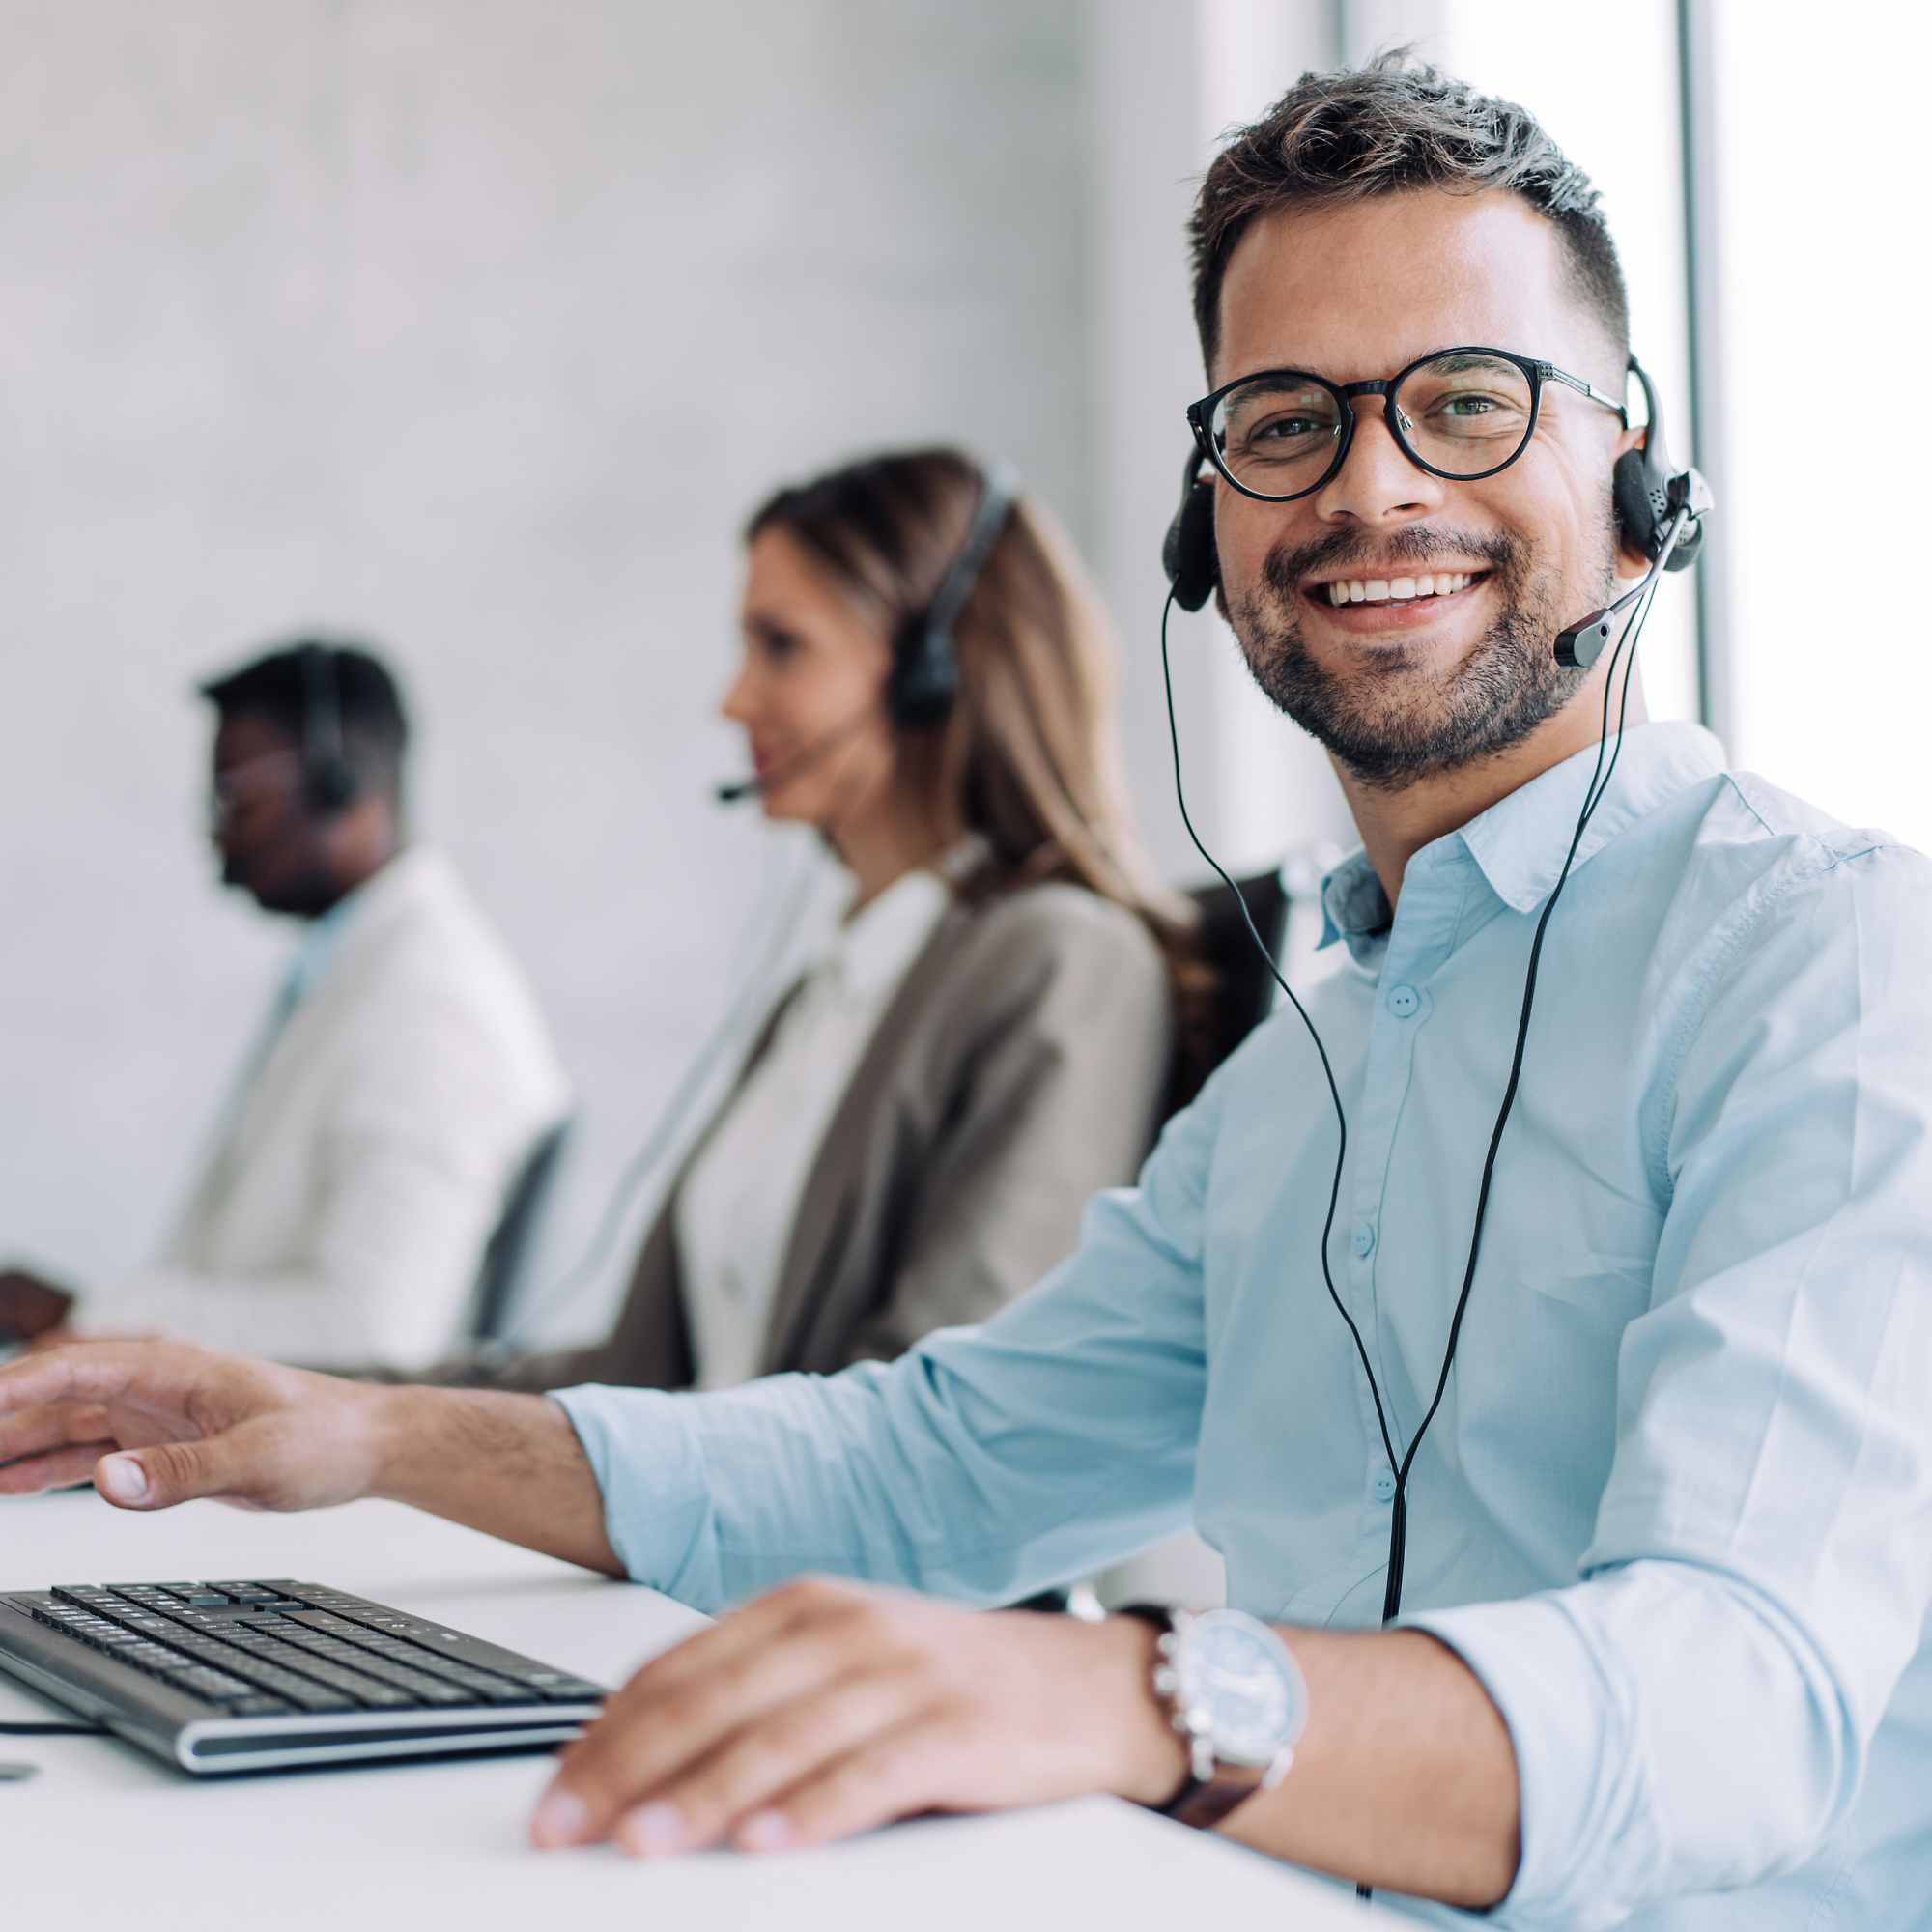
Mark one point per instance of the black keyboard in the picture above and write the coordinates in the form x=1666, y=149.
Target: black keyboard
x=256, y=1676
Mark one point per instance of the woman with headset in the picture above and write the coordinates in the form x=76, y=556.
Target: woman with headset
x=985, y=1042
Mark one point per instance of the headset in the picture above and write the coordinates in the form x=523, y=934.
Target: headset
x=1660, y=512
x=925, y=678
x=1646, y=493
x=923, y=681
x=330, y=779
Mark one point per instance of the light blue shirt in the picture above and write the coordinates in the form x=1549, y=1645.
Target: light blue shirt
x=1676, y=1509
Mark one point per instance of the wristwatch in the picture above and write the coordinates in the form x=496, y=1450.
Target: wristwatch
x=1233, y=1690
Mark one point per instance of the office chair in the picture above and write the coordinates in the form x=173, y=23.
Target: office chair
x=511, y=1244
x=1243, y=992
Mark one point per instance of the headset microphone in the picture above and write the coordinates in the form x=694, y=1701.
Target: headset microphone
x=1690, y=498
x=731, y=790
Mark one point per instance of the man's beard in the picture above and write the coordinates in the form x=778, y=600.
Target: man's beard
x=1391, y=721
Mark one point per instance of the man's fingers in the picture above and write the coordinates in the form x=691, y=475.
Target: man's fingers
x=48, y=1448
x=897, y=1773
x=786, y=1747
x=56, y=1469
x=54, y=1426
x=174, y=1472
x=681, y=1708
x=87, y=1371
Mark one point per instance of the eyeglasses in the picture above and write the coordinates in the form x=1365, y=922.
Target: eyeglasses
x=253, y=778
x=1460, y=413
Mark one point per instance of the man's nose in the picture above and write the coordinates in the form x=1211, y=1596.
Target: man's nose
x=1377, y=482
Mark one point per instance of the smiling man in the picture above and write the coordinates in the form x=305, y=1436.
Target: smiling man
x=1666, y=1544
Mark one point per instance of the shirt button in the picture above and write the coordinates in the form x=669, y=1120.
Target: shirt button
x=1362, y=1237
x=1384, y=1486
x=1404, y=1002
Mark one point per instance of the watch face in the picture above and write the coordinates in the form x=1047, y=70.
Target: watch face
x=1239, y=1672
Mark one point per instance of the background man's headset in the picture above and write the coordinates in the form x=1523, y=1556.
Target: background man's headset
x=923, y=681
x=328, y=776
x=1659, y=510
x=921, y=689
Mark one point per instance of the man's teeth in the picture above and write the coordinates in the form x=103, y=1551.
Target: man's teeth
x=1396, y=590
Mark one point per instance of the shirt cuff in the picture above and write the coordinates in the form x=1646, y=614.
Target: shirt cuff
x=1576, y=1782
x=1675, y=1733
x=656, y=1495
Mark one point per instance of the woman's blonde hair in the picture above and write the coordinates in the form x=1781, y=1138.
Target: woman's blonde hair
x=1028, y=751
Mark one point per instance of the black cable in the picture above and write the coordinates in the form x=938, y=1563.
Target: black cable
x=1593, y=795
x=53, y=1731
x=1268, y=960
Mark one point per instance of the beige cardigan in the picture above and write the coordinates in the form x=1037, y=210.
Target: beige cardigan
x=1016, y=1071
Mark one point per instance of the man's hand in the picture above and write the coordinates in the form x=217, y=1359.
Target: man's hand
x=158, y=1422
x=30, y=1306
x=164, y=1421
x=825, y=1708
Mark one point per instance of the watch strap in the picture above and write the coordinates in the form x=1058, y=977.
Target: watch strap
x=1202, y=1803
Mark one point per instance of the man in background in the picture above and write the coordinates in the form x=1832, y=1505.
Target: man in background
x=398, y=1086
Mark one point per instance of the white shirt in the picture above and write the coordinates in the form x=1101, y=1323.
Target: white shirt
x=342, y=1216
x=736, y=1208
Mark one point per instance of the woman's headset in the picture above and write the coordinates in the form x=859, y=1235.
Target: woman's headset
x=1646, y=493
x=923, y=681
x=925, y=678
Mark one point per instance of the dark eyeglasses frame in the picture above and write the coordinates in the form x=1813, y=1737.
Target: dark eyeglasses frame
x=1200, y=413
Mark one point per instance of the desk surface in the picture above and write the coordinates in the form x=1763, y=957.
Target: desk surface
x=426, y=1845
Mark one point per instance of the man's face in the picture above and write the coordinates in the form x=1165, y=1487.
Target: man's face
x=1400, y=689
x=271, y=842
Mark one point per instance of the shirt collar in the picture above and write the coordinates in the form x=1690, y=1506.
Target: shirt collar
x=323, y=941
x=880, y=940
x=1521, y=842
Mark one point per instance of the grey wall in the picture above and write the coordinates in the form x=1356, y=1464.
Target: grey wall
x=476, y=325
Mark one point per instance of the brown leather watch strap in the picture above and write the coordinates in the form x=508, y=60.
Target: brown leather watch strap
x=1203, y=1805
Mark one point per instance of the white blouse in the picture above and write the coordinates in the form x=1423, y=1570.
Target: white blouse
x=739, y=1200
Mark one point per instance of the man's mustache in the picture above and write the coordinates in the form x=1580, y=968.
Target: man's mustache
x=1364, y=555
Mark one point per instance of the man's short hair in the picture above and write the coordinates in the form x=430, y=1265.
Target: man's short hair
x=375, y=730
x=1378, y=129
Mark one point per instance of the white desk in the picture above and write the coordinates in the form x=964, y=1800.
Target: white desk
x=122, y=1837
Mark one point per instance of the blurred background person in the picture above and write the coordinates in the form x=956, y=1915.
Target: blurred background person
x=986, y=1041
x=399, y=1086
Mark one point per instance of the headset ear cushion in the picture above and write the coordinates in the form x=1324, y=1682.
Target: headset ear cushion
x=332, y=785
x=1641, y=501
x=925, y=678
x=1187, y=554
